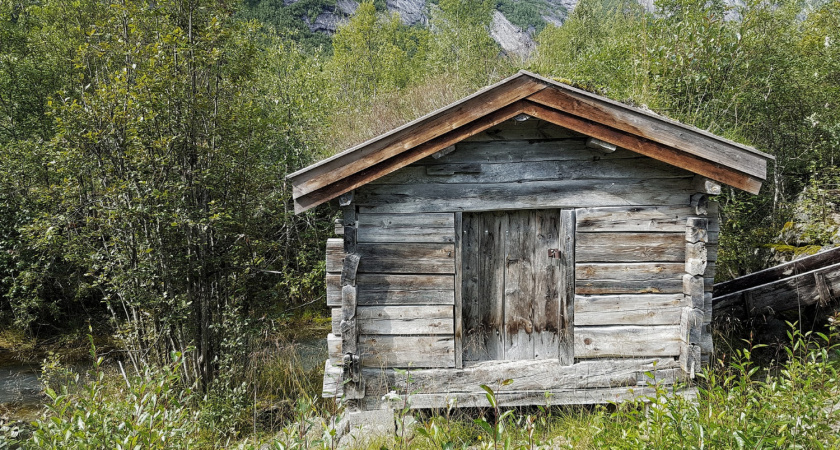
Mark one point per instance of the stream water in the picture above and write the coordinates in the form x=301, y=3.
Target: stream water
x=21, y=392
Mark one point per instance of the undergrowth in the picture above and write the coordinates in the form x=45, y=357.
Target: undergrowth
x=738, y=404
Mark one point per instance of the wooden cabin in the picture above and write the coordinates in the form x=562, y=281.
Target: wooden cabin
x=531, y=231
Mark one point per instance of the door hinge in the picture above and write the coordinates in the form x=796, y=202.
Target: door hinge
x=554, y=253
x=352, y=371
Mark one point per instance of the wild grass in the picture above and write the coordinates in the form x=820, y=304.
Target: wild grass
x=791, y=403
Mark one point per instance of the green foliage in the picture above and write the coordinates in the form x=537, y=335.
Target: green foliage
x=148, y=410
x=461, y=44
x=526, y=13
x=767, y=78
x=288, y=19
x=375, y=52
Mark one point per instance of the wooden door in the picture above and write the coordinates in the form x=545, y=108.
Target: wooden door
x=516, y=296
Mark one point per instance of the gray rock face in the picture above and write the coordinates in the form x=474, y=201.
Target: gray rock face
x=412, y=12
x=512, y=39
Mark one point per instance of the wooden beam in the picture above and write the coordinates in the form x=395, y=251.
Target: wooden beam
x=404, y=158
x=765, y=276
x=413, y=134
x=661, y=152
x=601, y=146
x=648, y=127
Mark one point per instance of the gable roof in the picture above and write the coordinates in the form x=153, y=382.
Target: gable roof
x=638, y=130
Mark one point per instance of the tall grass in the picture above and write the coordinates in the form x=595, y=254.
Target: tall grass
x=739, y=404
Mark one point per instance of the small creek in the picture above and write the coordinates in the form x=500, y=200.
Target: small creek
x=21, y=391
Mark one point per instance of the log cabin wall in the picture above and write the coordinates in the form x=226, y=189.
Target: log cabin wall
x=636, y=231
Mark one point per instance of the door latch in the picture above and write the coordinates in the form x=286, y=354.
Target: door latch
x=554, y=253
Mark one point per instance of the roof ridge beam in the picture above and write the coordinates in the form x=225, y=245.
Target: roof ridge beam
x=653, y=149
x=652, y=129
x=428, y=148
x=420, y=131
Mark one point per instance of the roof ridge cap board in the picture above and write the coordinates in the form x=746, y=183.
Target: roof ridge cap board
x=409, y=124
x=650, y=113
x=641, y=131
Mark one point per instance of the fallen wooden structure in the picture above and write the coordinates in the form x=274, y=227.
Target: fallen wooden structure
x=813, y=280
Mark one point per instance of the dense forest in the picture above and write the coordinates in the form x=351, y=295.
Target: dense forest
x=144, y=145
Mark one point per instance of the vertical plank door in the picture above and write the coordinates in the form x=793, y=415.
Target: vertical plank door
x=511, y=288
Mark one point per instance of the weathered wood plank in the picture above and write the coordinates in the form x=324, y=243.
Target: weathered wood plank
x=526, y=398
x=406, y=258
x=532, y=129
x=473, y=316
x=525, y=195
x=407, y=351
x=666, y=219
x=545, y=305
x=334, y=349
x=706, y=186
x=523, y=151
x=428, y=227
x=532, y=375
x=335, y=314
x=519, y=286
x=627, y=341
x=392, y=221
x=389, y=289
x=402, y=320
x=695, y=258
x=641, y=309
x=459, y=282
x=333, y=386
x=765, y=276
x=780, y=295
x=628, y=271
x=493, y=232
x=696, y=229
x=514, y=172
x=566, y=275
x=630, y=247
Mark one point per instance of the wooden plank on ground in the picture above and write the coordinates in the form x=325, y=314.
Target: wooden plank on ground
x=780, y=295
x=627, y=341
x=765, y=276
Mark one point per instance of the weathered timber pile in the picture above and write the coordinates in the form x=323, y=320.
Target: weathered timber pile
x=813, y=280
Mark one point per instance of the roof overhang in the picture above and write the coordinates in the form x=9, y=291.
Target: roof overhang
x=638, y=130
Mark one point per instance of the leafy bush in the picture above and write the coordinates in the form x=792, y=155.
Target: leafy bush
x=149, y=410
